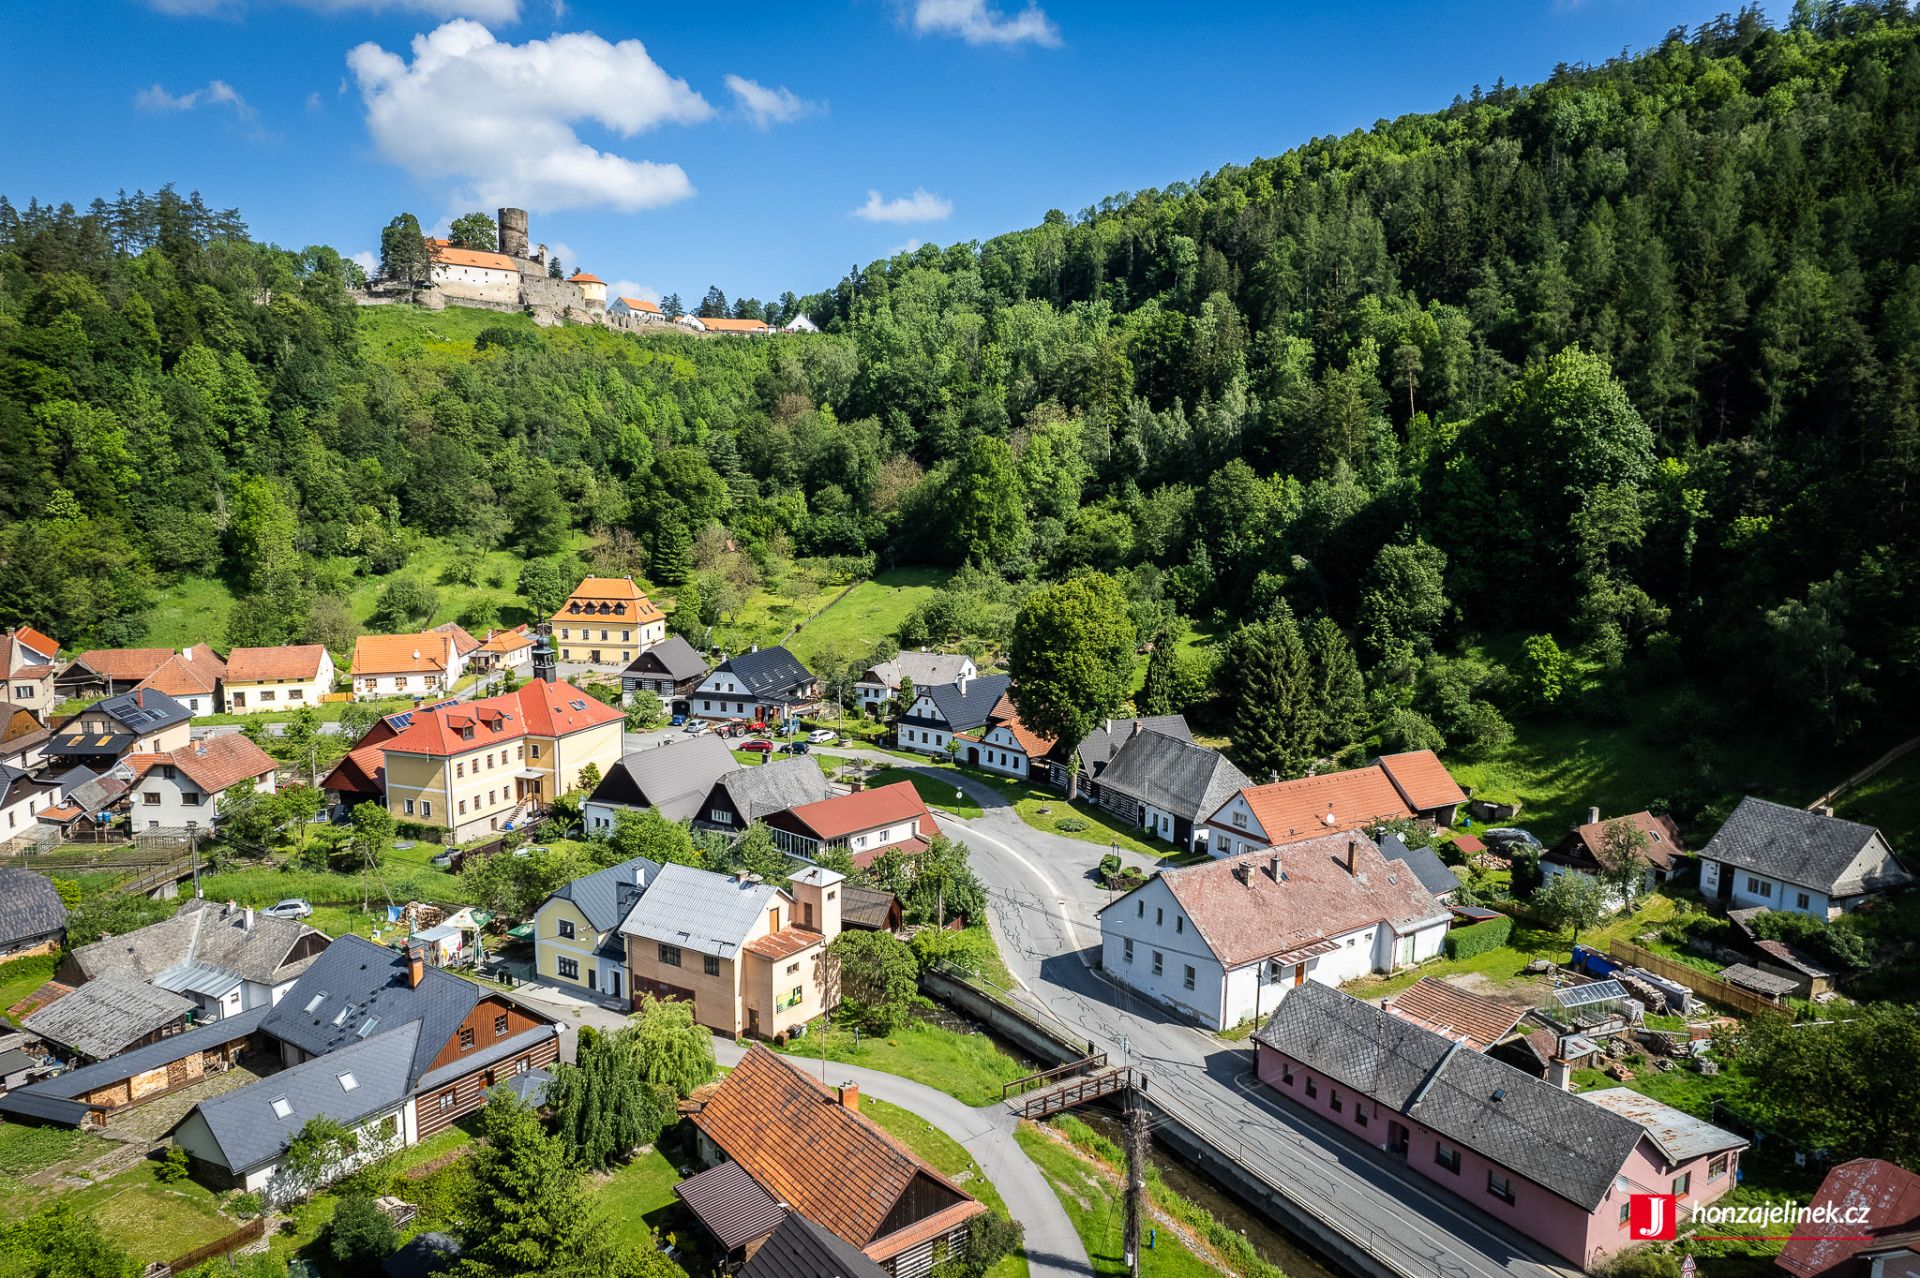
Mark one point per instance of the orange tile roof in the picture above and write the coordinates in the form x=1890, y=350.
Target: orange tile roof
x=642, y=304
x=179, y=677
x=463, y=643
x=581, y=277
x=1003, y=715
x=447, y=255
x=584, y=603
x=827, y=1162
x=720, y=325
x=125, y=664
x=785, y=943
x=1355, y=799
x=400, y=654
x=294, y=661
x=508, y=640
x=1422, y=779
x=1456, y=1013
x=213, y=763
x=537, y=709
x=35, y=641
x=1663, y=839
x=846, y=814
x=557, y=709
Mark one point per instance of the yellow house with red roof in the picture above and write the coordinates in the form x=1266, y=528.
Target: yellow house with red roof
x=606, y=623
x=473, y=767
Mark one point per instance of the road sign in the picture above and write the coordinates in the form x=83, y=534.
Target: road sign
x=1687, y=1267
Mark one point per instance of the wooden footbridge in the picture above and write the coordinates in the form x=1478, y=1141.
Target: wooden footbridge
x=1053, y=1091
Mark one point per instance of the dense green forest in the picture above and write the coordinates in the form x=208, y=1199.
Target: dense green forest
x=1536, y=403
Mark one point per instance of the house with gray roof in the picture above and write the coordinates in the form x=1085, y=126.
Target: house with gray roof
x=673, y=778
x=106, y=1017
x=942, y=711
x=1166, y=785
x=1555, y=1167
x=376, y=1039
x=74, y=1097
x=754, y=793
x=670, y=670
x=1425, y=863
x=145, y=721
x=801, y=1249
x=576, y=939
x=879, y=682
x=763, y=684
x=32, y=915
x=226, y=958
x=22, y=799
x=1768, y=854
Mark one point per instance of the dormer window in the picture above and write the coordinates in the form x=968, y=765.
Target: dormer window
x=466, y=733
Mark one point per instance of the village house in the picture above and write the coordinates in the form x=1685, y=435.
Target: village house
x=576, y=932
x=1803, y=862
x=23, y=737
x=942, y=711
x=674, y=779
x=28, y=663
x=747, y=954
x=1557, y=1168
x=85, y=809
x=32, y=916
x=1166, y=785
x=286, y=678
x=504, y=650
x=749, y=794
x=1009, y=746
x=86, y=1096
x=377, y=1040
x=103, y=1018
x=1228, y=940
x=606, y=623
x=637, y=309
x=421, y=665
x=807, y=1146
x=181, y=789
x=670, y=670
x=471, y=767
x=102, y=672
x=1080, y=766
x=1426, y=864
x=760, y=685
x=226, y=958
x=194, y=677
x=1584, y=851
x=1886, y=1244
x=138, y=722
x=464, y=644
x=797, y=1248
x=1452, y=1012
x=736, y=327
x=1395, y=787
x=879, y=682
x=22, y=800
x=866, y=823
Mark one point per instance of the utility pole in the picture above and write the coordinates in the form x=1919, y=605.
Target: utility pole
x=1136, y=1177
x=193, y=854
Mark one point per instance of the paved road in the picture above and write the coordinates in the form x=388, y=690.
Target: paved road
x=1043, y=897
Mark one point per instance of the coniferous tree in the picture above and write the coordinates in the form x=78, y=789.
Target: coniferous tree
x=1268, y=688
x=672, y=553
x=403, y=251
x=1339, y=690
x=527, y=1213
x=1158, y=695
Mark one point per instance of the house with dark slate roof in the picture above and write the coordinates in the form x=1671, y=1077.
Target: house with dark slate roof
x=801, y=1249
x=669, y=670
x=1425, y=863
x=1166, y=785
x=1557, y=1168
x=1803, y=862
x=1082, y=764
x=32, y=915
x=750, y=794
x=673, y=779
x=762, y=684
x=942, y=711
x=576, y=937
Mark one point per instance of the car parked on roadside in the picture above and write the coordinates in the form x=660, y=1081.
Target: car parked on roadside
x=678, y=719
x=758, y=746
x=795, y=747
x=697, y=726
x=291, y=908
x=823, y=736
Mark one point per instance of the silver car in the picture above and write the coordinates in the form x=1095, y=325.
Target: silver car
x=291, y=908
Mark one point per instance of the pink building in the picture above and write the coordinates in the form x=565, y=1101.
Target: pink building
x=1555, y=1167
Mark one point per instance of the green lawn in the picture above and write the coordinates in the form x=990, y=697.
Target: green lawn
x=935, y=794
x=18, y=979
x=337, y=898
x=152, y=1221
x=1093, y=1202
x=28, y=1149
x=1038, y=806
x=1890, y=801
x=634, y=1196
x=950, y=1158
x=872, y=611
x=969, y=1067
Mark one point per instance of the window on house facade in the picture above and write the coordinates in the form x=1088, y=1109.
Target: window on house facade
x=1717, y=1168
x=445, y=1101
x=466, y=1038
x=500, y=1025
x=1159, y=917
x=570, y=969
x=1126, y=950
x=1179, y=923
x=1239, y=820
x=1682, y=1184
x=1446, y=1156
x=426, y=807
x=1286, y=1073
x=151, y=798
x=566, y=928
x=1759, y=887
x=720, y=816
x=710, y=965
x=1313, y=1087
x=1334, y=1102
x=1802, y=901
x=1188, y=980
x=1500, y=1187
x=670, y=955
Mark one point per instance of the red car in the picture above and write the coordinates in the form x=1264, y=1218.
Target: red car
x=758, y=747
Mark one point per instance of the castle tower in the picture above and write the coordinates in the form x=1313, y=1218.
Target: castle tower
x=513, y=232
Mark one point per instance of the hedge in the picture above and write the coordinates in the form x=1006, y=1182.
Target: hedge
x=1478, y=938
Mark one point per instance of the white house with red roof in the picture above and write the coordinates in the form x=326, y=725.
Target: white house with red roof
x=181, y=789
x=1414, y=786
x=866, y=823
x=474, y=274
x=1225, y=940
x=28, y=662
x=637, y=309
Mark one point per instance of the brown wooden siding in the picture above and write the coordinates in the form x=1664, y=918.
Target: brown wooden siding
x=469, y=1092
x=924, y=1196
x=480, y=1020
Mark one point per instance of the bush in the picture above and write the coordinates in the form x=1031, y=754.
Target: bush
x=1478, y=938
x=173, y=1166
x=360, y=1233
x=1070, y=825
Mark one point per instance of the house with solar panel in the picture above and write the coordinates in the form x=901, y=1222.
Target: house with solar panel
x=142, y=721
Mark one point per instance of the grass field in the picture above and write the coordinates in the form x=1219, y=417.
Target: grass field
x=1093, y=1202
x=951, y=1160
x=1041, y=808
x=151, y=1221
x=28, y=1149
x=635, y=1196
x=969, y=1067
x=18, y=979
x=1890, y=801
x=871, y=611
x=934, y=794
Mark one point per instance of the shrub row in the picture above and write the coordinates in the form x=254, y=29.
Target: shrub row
x=1478, y=938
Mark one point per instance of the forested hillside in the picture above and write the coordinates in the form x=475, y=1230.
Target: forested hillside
x=1536, y=403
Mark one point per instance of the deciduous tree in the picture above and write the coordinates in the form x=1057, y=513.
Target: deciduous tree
x=1071, y=656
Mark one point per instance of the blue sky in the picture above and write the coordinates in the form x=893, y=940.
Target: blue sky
x=758, y=146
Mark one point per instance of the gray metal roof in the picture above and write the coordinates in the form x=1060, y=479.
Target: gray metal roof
x=673, y=778
x=1172, y=774
x=30, y=907
x=529, y=1088
x=1552, y=1138
x=1800, y=847
x=924, y=668
x=199, y=978
x=758, y=792
x=1101, y=744
x=1752, y=978
x=700, y=911
x=1425, y=863
x=30, y=1102
x=675, y=658
x=480, y=1058
x=103, y=1016
x=768, y=672
x=250, y=1131
x=1680, y=1135
x=731, y=1204
x=142, y=710
x=967, y=709
x=357, y=989
x=799, y=1248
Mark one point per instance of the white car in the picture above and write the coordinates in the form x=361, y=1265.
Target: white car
x=697, y=726
x=822, y=736
x=291, y=908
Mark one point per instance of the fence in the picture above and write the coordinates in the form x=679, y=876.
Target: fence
x=1701, y=983
x=249, y=1232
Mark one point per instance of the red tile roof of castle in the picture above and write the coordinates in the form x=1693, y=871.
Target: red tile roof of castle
x=446, y=255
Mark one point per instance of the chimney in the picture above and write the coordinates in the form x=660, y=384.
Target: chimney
x=1273, y=867
x=1137, y=726
x=962, y=681
x=639, y=876
x=249, y=923
x=1353, y=856
x=1240, y=872
x=1593, y=816
x=1825, y=810
x=849, y=1094
x=416, y=967
x=186, y=654
x=1110, y=733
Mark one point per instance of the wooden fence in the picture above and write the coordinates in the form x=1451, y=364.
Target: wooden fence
x=1705, y=984
x=249, y=1232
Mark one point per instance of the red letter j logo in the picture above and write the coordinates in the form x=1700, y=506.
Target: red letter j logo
x=1651, y=1218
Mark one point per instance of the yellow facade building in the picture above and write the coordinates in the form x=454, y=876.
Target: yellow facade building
x=606, y=623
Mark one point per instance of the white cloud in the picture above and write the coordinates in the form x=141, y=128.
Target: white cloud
x=216, y=93
x=921, y=206
x=908, y=247
x=315, y=102
x=368, y=262
x=766, y=106
x=494, y=11
x=978, y=22
x=499, y=117
x=628, y=288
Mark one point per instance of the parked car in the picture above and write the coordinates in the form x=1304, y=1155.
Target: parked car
x=758, y=746
x=1509, y=836
x=795, y=747
x=291, y=908
x=823, y=736
x=697, y=726
x=678, y=719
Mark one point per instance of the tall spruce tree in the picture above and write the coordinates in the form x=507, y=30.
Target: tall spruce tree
x=1267, y=685
x=527, y=1213
x=672, y=552
x=1161, y=693
x=1339, y=690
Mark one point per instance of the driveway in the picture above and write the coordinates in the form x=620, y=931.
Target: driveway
x=1053, y=1248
